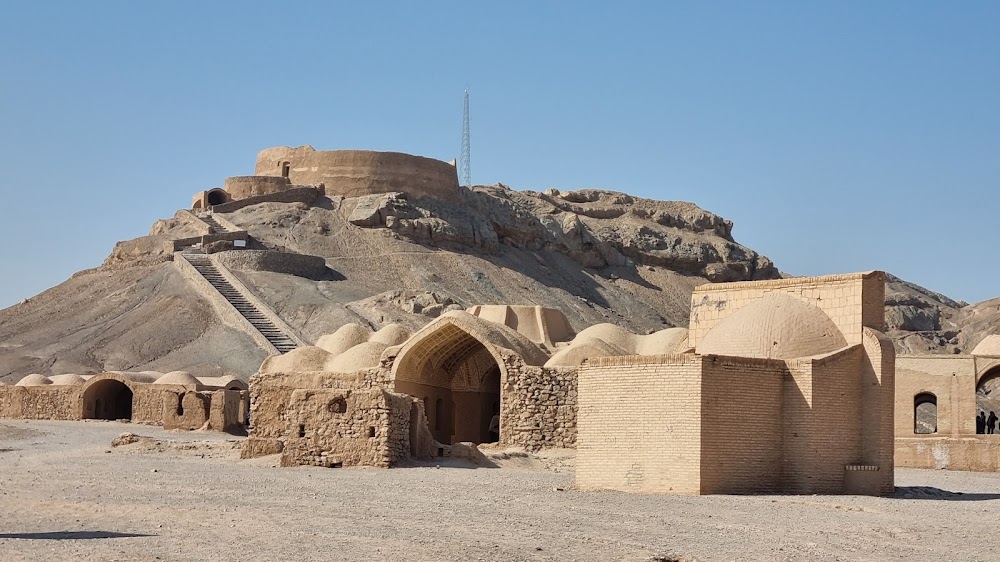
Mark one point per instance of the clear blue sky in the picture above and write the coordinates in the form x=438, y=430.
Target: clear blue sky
x=838, y=136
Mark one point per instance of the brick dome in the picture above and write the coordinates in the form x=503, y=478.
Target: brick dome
x=989, y=346
x=777, y=326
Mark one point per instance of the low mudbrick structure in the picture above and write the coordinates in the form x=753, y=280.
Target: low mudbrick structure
x=776, y=386
x=175, y=400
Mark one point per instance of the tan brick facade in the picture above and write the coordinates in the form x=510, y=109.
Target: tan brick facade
x=787, y=417
x=950, y=382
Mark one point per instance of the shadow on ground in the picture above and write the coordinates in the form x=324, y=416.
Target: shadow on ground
x=930, y=493
x=71, y=535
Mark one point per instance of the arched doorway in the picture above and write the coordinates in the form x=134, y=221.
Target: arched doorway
x=924, y=413
x=217, y=197
x=460, y=381
x=988, y=401
x=107, y=399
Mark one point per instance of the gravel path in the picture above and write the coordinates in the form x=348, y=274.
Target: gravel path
x=66, y=494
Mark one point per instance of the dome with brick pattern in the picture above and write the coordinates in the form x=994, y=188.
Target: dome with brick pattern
x=989, y=346
x=777, y=326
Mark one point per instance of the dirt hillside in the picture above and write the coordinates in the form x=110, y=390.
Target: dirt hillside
x=599, y=256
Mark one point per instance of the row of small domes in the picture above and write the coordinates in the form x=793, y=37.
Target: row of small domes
x=173, y=377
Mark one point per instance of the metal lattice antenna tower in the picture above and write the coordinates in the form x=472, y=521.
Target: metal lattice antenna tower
x=465, y=163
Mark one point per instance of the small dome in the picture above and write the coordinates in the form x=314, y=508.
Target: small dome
x=67, y=380
x=301, y=359
x=362, y=356
x=989, y=346
x=582, y=349
x=346, y=337
x=391, y=334
x=776, y=326
x=660, y=343
x=178, y=377
x=34, y=380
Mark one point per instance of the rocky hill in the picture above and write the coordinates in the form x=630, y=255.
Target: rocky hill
x=599, y=256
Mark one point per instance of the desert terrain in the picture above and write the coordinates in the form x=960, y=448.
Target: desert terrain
x=68, y=494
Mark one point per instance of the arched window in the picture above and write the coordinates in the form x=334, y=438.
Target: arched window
x=924, y=413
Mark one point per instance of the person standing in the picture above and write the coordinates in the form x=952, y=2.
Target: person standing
x=991, y=422
x=495, y=428
x=981, y=423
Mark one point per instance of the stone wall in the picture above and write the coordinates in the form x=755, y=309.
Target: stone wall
x=147, y=402
x=300, y=265
x=353, y=173
x=538, y=407
x=151, y=404
x=187, y=410
x=49, y=402
x=241, y=187
x=337, y=427
x=295, y=194
x=227, y=411
x=270, y=394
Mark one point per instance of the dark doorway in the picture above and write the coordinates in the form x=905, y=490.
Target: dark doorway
x=108, y=399
x=216, y=197
x=286, y=169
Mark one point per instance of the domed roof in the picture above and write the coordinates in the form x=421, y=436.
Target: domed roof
x=362, y=356
x=777, y=326
x=580, y=350
x=177, y=377
x=989, y=346
x=308, y=358
x=391, y=334
x=34, y=380
x=67, y=380
x=346, y=337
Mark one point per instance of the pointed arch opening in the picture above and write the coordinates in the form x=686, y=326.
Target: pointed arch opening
x=988, y=402
x=461, y=377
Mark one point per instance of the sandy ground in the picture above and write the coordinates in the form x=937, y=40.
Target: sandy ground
x=66, y=494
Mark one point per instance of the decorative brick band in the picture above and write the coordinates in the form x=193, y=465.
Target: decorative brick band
x=789, y=282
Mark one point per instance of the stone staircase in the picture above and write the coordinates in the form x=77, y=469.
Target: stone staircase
x=203, y=264
x=213, y=225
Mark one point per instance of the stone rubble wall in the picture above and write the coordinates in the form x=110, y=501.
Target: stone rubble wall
x=294, y=194
x=339, y=427
x=48, y=402
x=300, y=265
x=539, y=407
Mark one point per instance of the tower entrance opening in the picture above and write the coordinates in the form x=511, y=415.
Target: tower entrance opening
x=216, y=197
